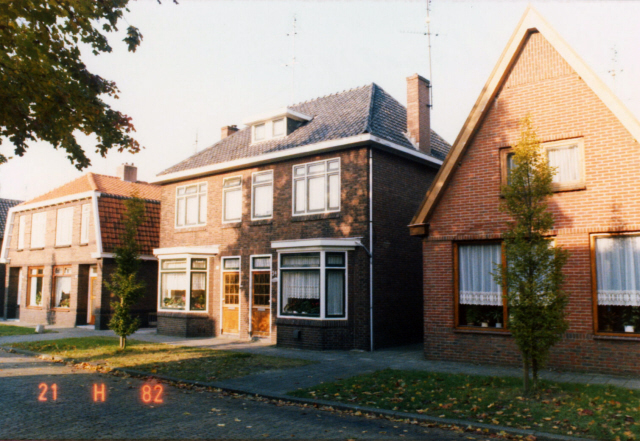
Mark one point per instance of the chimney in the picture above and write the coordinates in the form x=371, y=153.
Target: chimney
x=418, y=112
x=228, y=131
x=128, y=172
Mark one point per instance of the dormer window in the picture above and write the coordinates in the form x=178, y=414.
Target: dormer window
x=276, y=124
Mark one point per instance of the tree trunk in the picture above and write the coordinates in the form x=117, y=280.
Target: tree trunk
x=525, y=371
x=123, y=342
x=534, y=373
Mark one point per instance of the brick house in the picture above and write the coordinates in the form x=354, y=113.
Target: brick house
x=5, y=205
x=59, y=248
x=267, y=233
x=592, y=139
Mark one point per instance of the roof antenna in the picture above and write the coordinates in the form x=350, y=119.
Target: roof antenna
x=196, y=144
x=293, y=62
x=613, y=72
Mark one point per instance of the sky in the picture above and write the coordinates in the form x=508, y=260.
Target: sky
x=204, y=64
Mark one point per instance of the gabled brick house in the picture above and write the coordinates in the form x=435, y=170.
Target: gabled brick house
x=267, y=233
x=593, y=140
x=59, y=248
x=5, y=205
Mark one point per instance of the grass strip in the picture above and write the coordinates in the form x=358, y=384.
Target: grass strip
x=188, y=363
x=591, y=411
x=8, y=330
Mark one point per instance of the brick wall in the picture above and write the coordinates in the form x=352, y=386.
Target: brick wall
x=562, y=106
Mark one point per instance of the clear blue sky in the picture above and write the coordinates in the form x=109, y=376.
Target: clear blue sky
x=208, y=63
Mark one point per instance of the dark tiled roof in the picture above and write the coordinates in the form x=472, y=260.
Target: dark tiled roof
x=112, y=210
x=367, y=109
x=5, y=204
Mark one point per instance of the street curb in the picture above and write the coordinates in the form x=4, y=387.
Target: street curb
x=488, y=428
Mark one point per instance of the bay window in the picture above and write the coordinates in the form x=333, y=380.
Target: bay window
x=617, y=274
x=179, y=277
x=62, y=287
x=262, y=195
x=313, y=284
x=232, y=199
x=191, y=205
x=316, y=187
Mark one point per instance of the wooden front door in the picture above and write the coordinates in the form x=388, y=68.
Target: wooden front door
x=260, y=304
x=231, y=303
x=93, y=293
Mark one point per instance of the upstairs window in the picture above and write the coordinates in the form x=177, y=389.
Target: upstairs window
x=84, y=225
x=276, y=128
x=232, y=199
x=38, y=229
x=316, y=187
x=64, y=226
x=23, y=226
x=191, y=205
x=262, y=195
x=567, y=158
x=259, y=132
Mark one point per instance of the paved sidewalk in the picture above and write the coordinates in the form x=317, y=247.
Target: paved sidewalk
x=330, y=365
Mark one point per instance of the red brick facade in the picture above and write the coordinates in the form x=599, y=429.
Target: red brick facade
x=562, y=106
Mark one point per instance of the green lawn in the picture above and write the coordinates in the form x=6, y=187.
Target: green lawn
x=6, y=330
x=197, y=364
x=592, y=411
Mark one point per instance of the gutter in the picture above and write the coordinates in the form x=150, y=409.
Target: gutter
x=370, y=251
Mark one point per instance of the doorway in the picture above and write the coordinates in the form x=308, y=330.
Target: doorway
x=260, y=309
x=92, y=294
x=230, y=295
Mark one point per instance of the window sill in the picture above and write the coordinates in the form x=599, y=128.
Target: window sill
x=182, y=314
x=179, y=230
x=569, y=187
x=84, y=244
x=232, y=225
x=36, y=249
x=313, y=322
x=618, y=337
x=61, y=309
x=313, y=217
x=62, y=246
x=258, y=222
x=35, y=307
x=487, y=331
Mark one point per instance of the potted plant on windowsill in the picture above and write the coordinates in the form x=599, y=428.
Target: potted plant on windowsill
x=472, y=315
x=630, y=318
x=497, y=317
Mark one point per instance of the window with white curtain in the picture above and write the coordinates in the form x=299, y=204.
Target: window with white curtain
x=62, y=286
x=232, y=199
x=480, y=301
x=64, y=226
x=21, y=231
x=617, y=262
x=316, y=187
x=191, y=205
x=313, y=284
x=567, y=159
x=38, y=229
x=262, y=195
x=183, y=284
x=84, y=223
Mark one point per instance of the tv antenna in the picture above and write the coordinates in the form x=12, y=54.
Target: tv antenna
x=196, y=143
x=613, y=72
x=427, y=32
x=293, y=62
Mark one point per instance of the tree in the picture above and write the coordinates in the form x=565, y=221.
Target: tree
x=533, y=275
x=124, y=283
x=46, y=91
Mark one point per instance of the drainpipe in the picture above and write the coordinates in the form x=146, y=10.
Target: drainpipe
x=371, y=247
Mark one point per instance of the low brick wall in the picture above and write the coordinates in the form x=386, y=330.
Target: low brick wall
x=185, y=325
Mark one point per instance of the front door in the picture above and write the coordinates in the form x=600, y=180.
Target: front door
x=231, y=296
x=260, y=304
x=92, y=293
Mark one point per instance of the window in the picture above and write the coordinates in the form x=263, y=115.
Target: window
x=34, y=286
x=617, y=273
x=61, y=287
x=38, y=229
x=313, y=284
x=259, y=132
x=64, y=226
x=316, y=187
x=191, y=205
x=262, y=195
x=84, y=225
x=263, y=131
x=479, y=298
x=232, y=199
x=506, y=164
x=231, y=280
x=23, y=227
x=179, y=276
x=278, y=127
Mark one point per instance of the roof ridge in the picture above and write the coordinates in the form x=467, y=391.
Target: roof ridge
x=92, y=181
x=367, y=124
x=330, y=94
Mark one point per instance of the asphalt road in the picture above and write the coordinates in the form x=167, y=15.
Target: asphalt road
x=28, y=409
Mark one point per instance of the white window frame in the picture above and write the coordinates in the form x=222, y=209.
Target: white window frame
x=84, y=224
x=268, y=129
x=43, y=215
x=563, y=144
x=188, y=270
x=222, y=271
x=255, y=185
x=22, y=227
x=306, y=177
x=224, y=204
x=198, y=194
x=261, y=270
x=323, y=276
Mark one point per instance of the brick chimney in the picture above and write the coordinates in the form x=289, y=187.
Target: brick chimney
x=128, y=172
x=418, y=112
x=228, y=131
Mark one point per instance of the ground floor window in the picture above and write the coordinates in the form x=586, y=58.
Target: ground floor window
x=313, y=284
x=479, y=298
x=34, y=286
x=617, y=273
x=179, y=277
x=61, y=287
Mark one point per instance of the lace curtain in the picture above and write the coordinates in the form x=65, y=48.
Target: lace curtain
x=300, y=285
x=618, y=270
x=567, y=161
x=477, y=286
x=335, y=292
